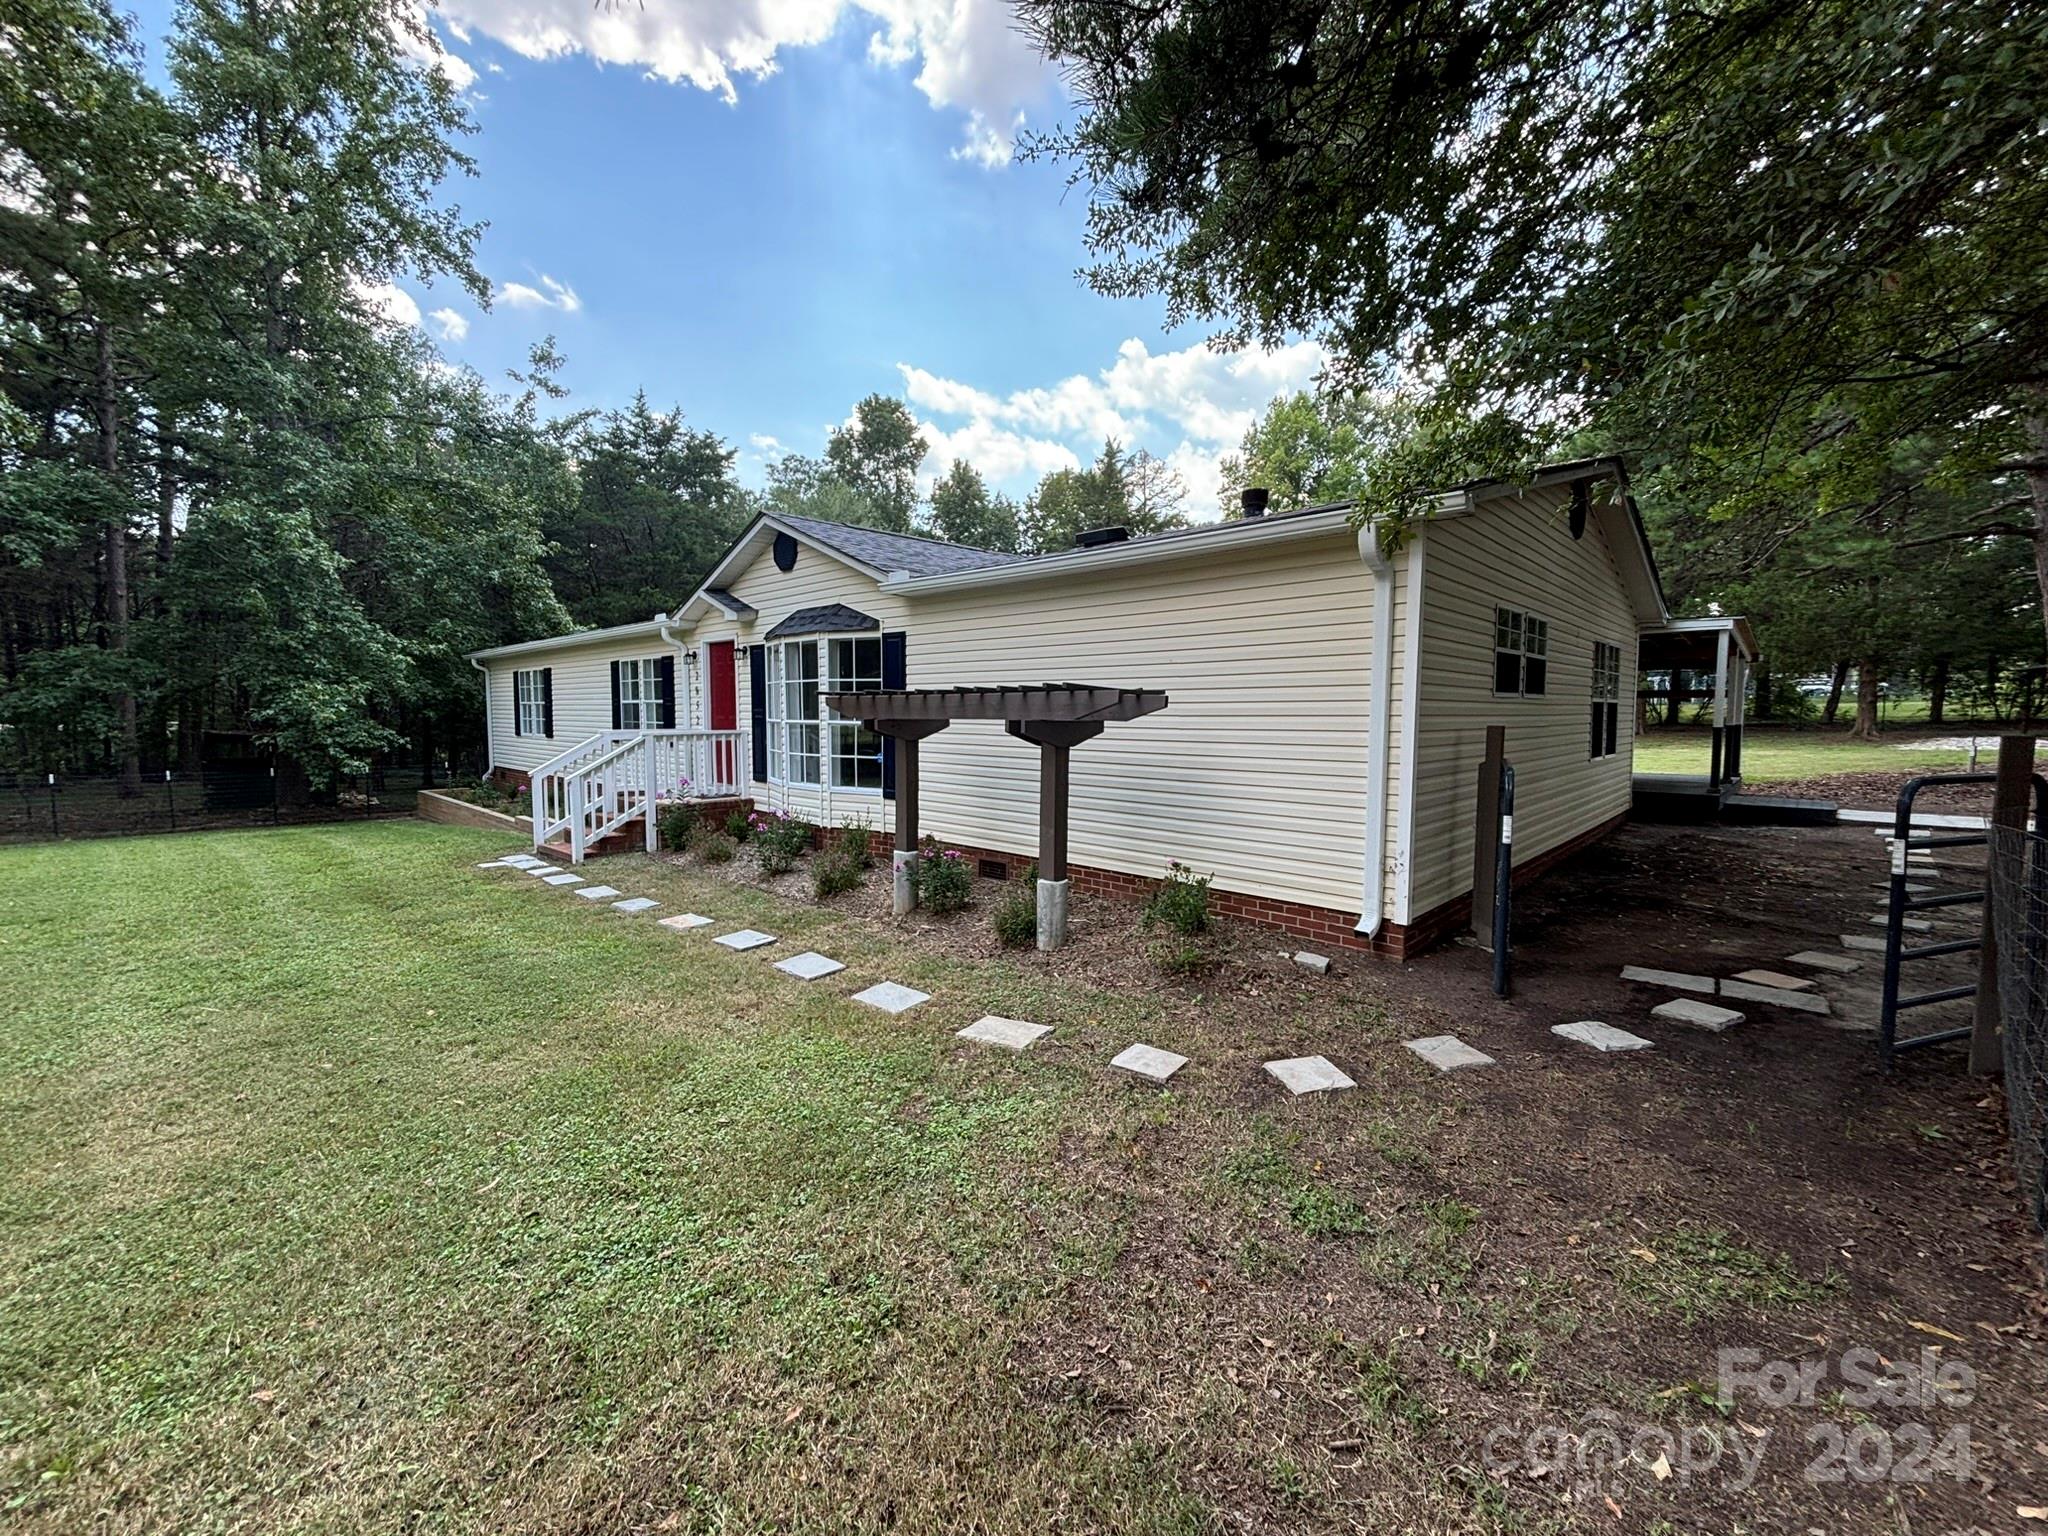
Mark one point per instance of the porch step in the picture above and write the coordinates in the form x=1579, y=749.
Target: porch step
x=617, y=842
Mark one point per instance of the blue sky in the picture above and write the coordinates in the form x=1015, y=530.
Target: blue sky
x=761, y=210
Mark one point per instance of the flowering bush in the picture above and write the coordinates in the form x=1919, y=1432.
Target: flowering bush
x=942, y=879
x=781, y=840
x=1181, y=902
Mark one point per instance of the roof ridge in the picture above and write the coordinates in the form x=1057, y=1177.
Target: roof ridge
x=891, y=533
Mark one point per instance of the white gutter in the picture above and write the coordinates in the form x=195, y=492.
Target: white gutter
x=490, y=736
x=574, y=637
x=1379, y=710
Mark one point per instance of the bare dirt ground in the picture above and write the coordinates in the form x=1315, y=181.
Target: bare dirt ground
x=1499, y=1300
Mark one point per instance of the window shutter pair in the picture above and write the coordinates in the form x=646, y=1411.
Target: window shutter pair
x=893, y=674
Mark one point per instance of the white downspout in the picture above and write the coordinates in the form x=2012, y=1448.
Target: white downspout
x=1379, y=710
x=490, y=736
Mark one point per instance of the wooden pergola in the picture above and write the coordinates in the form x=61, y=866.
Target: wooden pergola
x=1054, y=717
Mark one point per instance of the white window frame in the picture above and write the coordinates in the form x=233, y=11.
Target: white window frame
x=529, y=693
x=807, y=747
x=639, y=693
x=1526, y=637
x=1603, y=728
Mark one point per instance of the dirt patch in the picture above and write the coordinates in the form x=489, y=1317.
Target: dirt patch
x=1880, y=792
x=1392, y=1307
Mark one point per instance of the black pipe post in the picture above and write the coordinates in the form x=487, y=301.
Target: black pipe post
x=1503, y=880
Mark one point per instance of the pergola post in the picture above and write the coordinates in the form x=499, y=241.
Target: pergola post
x=903, y=859
x=1055, y=740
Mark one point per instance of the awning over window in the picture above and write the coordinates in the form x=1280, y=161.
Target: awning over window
x=832, y=619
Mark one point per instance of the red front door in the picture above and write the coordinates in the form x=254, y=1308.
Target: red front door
x=725, y=713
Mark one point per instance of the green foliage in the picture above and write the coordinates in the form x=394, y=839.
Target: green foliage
x=779, y=841
x=675, y=826
x=943, y=879
x=713, y=847
x=1136, y=491
x=1181, y=902
x=877, y=454
x=964, y=512
x=1015, y=919
x=739, y=825
x=844, y=863
x=1181, y=955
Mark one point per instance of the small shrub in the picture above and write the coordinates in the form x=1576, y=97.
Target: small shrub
x=714, y=847
x=1181, y=902
x=1016, y=920
x=844, y=860
x=1182, y=956
x=738, y=824
x=943, y=880
x=780, y=840
x=676, y=826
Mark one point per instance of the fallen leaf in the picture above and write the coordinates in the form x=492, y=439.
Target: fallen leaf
x=262, y=1395
x=1939, y=1333
x=1661, y=1468
x=1644, y=1254
x=2033, y=1511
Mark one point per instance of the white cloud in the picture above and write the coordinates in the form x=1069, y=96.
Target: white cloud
x=1191, y=407
x=550, y=295
x=767, y=442
x=392, y=303
x=970, y=56
x=450, y=325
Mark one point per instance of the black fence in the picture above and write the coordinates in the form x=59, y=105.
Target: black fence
x=35, y=807
x=2019, y=905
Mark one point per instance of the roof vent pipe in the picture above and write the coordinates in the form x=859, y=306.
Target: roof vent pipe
x=1095, y=538
x=1253, y=499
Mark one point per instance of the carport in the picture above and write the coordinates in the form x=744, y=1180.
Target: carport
x=1697, y=660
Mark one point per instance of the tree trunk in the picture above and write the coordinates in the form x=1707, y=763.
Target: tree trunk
x=1865, y=728
x=1834, y=703
x=1762, y=674
x=1937, y=691
x=108, y=407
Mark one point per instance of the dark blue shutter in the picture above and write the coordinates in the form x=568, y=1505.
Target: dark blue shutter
x=515, y=705
x=665, y=670
x=547, y=702
x=757, y=688
x=616, y=715
x=893, y=675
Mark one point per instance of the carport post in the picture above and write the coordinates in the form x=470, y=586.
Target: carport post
x=1055, y=739
x=2009, y=799
x=903, y=860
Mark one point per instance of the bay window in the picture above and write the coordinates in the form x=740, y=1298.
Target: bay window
x=806, y=745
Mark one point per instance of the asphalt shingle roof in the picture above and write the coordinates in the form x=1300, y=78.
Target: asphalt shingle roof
x=898, y=551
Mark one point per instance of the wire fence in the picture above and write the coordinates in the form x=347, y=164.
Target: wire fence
x=2019, y=894
x=36, y=807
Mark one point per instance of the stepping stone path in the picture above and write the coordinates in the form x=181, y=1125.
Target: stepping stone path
x=889, y=996
x=746, y=938
x=562, y=877
x=523, y=860
x=808, y=966
x=1447, y=1053
x=1149, y=1062
x=543, y=870
x=599, y=892
x=1309, y=1074
x=1862, y=941
x=1678, y=981
x=635, y=904
x=683, y=922
x=1690, y=1010
x=1010, y=1034
x=1775, y=979
x=498, y=864
x=1821, y=960
x=1910, y=924
x=1777, y=997
x=1601, y=1037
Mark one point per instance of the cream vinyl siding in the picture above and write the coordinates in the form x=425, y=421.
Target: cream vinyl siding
x=583, y=696
x=1516, y=552
x=1254, y=773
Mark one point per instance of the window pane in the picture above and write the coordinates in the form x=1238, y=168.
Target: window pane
x=1535, y=672
x=1613, y=719
x=1536, y=637
x=1507, y=672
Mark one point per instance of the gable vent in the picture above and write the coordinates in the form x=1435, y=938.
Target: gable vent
x=1095, y=538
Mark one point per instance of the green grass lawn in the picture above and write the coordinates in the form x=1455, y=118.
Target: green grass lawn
x=1788, y=754
x=342, y=1188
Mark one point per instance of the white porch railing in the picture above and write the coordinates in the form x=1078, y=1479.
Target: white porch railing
x=602, y=784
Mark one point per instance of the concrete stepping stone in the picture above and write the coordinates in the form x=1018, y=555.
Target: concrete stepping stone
x=1910, y=924
x=1862, y=941
x=1821, y=960
x=808, y=966
x=1690, y=1010
x=498, y=864
x=1309, y=1074
x=683, y=922
x=599, y=892
x=523, y=860
x=1776, y=979
x=1777, y=997
x=636, y=904
x=1148, y=1062
x=562, y=877
x=1677, y=981
x=542, y=870
x=746, y=938
x=891, y=997
x=1009, y=1034
x=1447, y=1053
x=1601, y=1037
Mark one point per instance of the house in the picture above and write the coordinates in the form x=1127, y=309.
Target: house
x=1328, y=694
